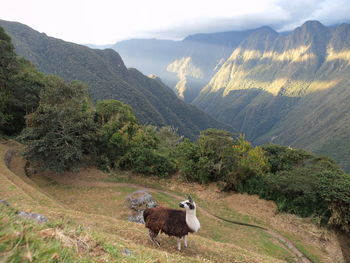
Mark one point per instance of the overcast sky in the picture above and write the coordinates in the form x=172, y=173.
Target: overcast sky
x=108, y=21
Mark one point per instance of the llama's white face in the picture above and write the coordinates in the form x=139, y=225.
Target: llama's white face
x=188, y=204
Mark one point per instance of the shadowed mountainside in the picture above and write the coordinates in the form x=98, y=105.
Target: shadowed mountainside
x=105, y=72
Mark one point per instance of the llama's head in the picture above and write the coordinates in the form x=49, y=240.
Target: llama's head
x=188, y=204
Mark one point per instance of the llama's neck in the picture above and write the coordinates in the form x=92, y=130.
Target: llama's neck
x=192, y=220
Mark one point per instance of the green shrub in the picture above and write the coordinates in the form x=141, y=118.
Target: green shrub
x=304, y=184
x=147, y=161
x=192, y=165
x=335, y=192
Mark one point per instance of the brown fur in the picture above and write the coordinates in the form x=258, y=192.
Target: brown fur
x=166, y=220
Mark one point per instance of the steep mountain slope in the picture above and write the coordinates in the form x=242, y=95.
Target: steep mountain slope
x=204, y=52
x=105, y=72
x=291, y=89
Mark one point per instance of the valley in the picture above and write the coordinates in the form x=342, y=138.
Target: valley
x=288, y=88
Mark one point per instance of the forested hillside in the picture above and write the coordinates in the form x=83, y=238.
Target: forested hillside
x=291, y=89
x=108, y=78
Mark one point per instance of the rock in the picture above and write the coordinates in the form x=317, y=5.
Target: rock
x=140, y=200
x=137, y=217
x=37, y=217
x=127, y=252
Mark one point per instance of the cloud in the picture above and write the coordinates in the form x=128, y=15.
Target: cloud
x=106, y=21
x=333, y=11
x=218, y=25
x=281, y=15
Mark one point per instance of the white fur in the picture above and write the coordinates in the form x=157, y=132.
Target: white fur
x=179, y=244
x=191, y=218
x=185, y=241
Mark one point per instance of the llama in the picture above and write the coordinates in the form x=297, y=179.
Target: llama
x=172, y=222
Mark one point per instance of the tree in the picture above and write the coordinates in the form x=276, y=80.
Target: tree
x=169, y=137
x=117, y=124
x=145, y=154
x=209, y=159
x=248, y=161
x=8, y=60
x=216, y=146
x=20, y=84
x=61, y=131
x=193, y=166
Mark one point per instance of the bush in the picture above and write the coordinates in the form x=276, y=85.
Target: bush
x=304, y=184
x=249, y=161
x=147, y=161
x=193, y=166
x=145, y=154
x=335, y=192
x=117, y=124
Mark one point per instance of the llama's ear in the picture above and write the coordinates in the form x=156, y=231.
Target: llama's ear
x=190, y=198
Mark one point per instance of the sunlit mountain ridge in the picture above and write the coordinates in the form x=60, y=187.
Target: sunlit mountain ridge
x=290, y=89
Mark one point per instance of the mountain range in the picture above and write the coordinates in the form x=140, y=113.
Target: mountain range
x=104, y=70
x=292, y=89
x=289, y=88
x=187, y=65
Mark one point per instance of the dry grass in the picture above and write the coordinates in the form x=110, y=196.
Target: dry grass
x=101, y=208
x=318, y=243
x=88, y=199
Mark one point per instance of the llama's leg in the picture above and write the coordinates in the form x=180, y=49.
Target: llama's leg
x=185, y=241
x=153, y=236
x=179, y=243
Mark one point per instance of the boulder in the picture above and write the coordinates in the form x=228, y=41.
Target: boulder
x=138, y=201
x=34, y=216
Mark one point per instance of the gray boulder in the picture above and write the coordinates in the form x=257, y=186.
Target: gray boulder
x=138, y=201
x=34, y=216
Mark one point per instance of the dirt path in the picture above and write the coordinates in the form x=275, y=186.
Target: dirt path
x=292, y=248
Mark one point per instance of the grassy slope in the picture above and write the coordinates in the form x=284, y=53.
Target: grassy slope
x=105, y=227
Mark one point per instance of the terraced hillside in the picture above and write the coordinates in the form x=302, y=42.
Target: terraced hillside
x=90, y=206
